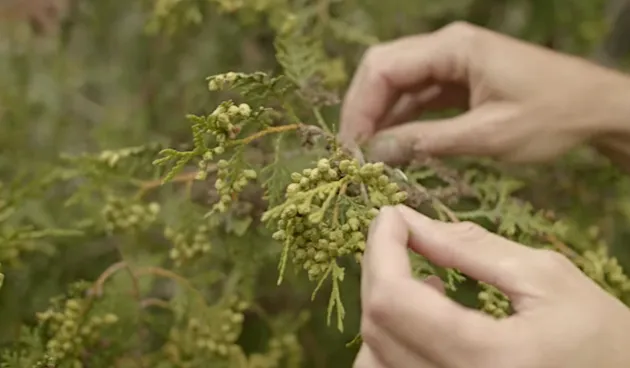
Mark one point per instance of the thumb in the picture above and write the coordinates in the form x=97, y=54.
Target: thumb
x=473, y=133
x=480, y=254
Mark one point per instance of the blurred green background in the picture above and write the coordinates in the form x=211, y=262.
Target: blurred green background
x=87, y=75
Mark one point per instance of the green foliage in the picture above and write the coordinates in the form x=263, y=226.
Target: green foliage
x=155, y=243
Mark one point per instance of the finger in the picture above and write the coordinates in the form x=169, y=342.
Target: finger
x=386, y=254
x=391, y=68
x=412, y=312
x=476, y=252
x=387, y=351
x=426, y=322
x=436, y=283
x=472, y=133
x=366, y=359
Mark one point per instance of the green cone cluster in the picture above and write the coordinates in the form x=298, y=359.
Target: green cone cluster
x=493, y=301
x=215, y=336
x=188, y=245
x=224, y=124
x=120, y=215
x=230, y=183
x=325, y=214
x=70, y=331
x=605, y=270
x=225, y=80
x=281, y=349
x=224, y=120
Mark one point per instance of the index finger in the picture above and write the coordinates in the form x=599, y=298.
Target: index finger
x=396, y=304
x=386, y=254
x=391, y=68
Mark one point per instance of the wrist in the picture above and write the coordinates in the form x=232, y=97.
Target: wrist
x=614, y=108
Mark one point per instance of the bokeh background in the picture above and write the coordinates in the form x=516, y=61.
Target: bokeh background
x=87, y=75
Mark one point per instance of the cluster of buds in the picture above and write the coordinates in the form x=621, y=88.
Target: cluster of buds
x=70, y=332
x=225, y=80
x=493, y=301
x=325, y=214
x=382, y=191
x=215, y=335
x=224, y=121
x=230, y=79
x=224, y=124
x=120, y=215
x=230, y=183
x=281, y=349
x=188, y=245
x=605, y=270
x=316, y=244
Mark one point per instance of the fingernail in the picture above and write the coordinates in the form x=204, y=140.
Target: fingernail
x=383, y=148
x=409, y=213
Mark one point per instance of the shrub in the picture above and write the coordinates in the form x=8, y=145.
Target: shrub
x=241, y=246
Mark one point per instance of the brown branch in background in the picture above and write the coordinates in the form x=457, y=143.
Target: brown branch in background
x=157, y=271
x=561, y=247
x=445, y=209
x=186, y=178
x=181, y=178
x=97, y=291
x=97, y=288
x=189, y=177
x=149, y=302
x=270, y=130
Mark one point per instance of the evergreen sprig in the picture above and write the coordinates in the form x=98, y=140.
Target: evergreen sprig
x=179, y=274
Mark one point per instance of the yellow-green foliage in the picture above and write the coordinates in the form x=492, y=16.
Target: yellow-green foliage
x=215, y=220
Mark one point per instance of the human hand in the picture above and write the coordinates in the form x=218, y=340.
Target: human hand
x=526, y=103
x=562, y=318
x=43, y=15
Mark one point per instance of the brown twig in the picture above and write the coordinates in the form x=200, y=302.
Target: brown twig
x=449, y=213
x=97, y=288
x=187, y=178
x=170, y=275
x=561, y=247
x=270, y=130
x=148, y=302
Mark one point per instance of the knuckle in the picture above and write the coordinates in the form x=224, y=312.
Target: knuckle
x=462, y=36
x=551, y=261
x=373, y=55
x=508, y=267
x=459, y=29
x=369, y=333
x=377, y=307
x=374, y=61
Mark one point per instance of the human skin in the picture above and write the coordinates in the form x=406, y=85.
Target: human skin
x=562, y=318
x=525, y=104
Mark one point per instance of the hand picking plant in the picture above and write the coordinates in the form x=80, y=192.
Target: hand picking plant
x=193, y=228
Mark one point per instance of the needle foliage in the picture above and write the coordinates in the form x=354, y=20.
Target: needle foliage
x=174, y=195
